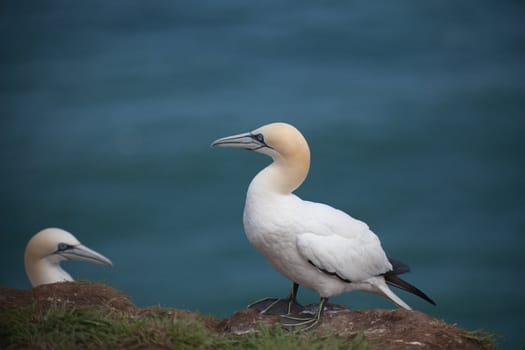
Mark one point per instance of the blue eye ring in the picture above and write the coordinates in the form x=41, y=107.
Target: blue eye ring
x=259, y=137
x=63, y=246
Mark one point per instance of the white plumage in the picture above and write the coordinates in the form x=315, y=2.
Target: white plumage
x=312, y=244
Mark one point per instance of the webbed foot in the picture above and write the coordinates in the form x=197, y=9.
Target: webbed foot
x=300, y=322
x=304, y=321
x=276, y=306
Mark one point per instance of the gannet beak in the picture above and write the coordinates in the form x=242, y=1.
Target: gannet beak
x=248, y=141
x=83, y=253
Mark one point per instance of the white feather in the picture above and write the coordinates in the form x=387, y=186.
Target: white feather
x=310, y=243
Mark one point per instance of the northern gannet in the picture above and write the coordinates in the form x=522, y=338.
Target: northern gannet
x=48, y=248
x=312, y=244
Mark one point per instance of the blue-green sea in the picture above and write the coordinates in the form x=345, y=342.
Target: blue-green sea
x=414, y=112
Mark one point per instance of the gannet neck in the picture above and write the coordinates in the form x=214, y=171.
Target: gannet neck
x=281, y=177
x=44, y=271
x=288, y=149
x=48, y=248
x=291, y=158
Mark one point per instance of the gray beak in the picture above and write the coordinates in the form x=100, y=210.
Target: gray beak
x=244, y=141
x=82, y=253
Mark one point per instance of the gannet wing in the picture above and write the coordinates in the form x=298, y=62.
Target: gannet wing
x=350, y=259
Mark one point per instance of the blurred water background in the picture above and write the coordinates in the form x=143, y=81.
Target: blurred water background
x=414, y=112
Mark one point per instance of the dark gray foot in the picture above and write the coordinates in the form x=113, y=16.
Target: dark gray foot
x=276, y=306
x=300, y=322
x=304, y=321
x=328, y=307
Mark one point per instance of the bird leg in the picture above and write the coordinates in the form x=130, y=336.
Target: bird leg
x=279, y=306
x=303, y=321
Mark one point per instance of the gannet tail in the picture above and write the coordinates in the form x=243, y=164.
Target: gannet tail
x=394, y=280
x=385, y=291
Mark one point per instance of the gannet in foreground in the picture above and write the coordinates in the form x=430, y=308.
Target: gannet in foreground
x=312, y=244
x=48, y=248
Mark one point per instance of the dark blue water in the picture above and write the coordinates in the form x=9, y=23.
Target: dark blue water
x=414, y=111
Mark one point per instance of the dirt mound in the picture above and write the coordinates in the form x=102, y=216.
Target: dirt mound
x=392, y=329
x=77, y=294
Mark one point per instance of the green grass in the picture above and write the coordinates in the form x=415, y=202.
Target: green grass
x=61, y=328
x=58, y=327
x=271, y=338
x=486, y=338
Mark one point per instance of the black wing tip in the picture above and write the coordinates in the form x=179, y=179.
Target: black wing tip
x=426, y=297
x=398, y=267
x=392, y=279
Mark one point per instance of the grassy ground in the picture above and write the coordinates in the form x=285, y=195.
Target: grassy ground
x=58, y=327
x=86, y=315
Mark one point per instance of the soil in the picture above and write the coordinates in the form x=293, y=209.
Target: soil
x=392, y=329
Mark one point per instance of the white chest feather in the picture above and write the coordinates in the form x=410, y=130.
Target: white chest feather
x=294, y=235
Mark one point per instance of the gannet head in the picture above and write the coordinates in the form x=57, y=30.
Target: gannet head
x=284, y=143
x=48, y=248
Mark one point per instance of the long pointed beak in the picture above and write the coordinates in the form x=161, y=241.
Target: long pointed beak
x=83, y=253
x=245, y=141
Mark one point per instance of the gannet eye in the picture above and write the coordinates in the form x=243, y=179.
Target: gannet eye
x=63, y=246
x=259, y=137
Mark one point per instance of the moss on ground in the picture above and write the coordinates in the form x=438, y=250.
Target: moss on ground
x=59, y=327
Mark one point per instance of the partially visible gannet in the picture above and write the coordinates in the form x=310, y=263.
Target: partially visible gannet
x=48, y=248
x=312, y=244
